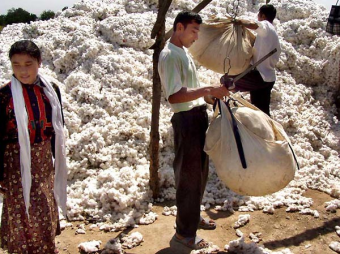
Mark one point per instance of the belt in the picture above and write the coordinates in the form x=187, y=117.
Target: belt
x=199, y=108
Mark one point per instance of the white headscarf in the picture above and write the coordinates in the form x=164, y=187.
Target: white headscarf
x=60, y=181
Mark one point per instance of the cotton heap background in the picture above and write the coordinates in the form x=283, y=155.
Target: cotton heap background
x=97, y=51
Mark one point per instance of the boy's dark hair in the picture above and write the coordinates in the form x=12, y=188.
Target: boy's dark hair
x=187, y=17
x=25, y=47
x=269, y=11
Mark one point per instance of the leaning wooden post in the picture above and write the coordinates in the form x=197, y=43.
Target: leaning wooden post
x=158, y=32
x=197, y=9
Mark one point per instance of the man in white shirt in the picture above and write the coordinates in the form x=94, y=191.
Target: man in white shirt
x=260, y=81
x=190, y=122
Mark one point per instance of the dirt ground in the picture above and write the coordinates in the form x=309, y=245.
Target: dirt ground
x=302, y=234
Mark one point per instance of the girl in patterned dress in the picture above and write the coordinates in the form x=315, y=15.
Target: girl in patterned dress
x=31, y=134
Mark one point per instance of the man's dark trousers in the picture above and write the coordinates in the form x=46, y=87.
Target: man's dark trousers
x=191, y=167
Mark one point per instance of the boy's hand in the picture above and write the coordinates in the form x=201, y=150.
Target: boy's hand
x=209, y=99
x=219, y=92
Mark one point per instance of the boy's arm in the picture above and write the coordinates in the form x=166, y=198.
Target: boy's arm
x=189, y=94
x=247, y=23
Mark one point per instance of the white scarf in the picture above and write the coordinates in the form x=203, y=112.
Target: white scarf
x=60, y=181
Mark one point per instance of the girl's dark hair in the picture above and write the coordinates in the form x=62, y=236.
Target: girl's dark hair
x=25, y=47
x=187, y=17
x=269, y=11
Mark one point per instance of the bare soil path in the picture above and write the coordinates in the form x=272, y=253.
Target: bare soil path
x=302, y=234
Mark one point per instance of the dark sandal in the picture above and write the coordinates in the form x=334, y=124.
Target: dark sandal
x=194, y=243
x=206, y=224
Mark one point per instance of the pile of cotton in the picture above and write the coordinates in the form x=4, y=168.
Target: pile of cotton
x=89, y=247
x=97, y=52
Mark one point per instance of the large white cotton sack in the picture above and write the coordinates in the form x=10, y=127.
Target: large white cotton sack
x=269, y=159
x=255, y=121
x=223, y=46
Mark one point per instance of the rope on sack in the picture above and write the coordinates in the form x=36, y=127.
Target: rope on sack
x=233, y=12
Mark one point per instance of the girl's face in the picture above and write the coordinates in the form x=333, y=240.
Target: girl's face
x=25, y=68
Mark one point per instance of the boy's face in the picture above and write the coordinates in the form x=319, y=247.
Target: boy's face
x=261, y=17
x=189, y=34
x=25, y=68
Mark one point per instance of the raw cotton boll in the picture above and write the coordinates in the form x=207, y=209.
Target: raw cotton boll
x=142, y=171
x=80, y=231
x=130, y=30
x=335, y=246
x=299, y=11
x=183, y=5
x=113, y=246
x=90, y=49
x=132, y=240
x=325, y=151
x=335, y=191
x=332, y=205
x=66, y=60
x=82, y=83
x=168, y=194
x=144, y=120
x=210, y=249
x=93, y=227
x=86, y=6
x=239, y=233
x=170, y=211
x=64, y=224
x=289, y=54
x=308, y=211
x=227, y=206
x=242, y=220
x=89, y=247
x=81, y=226
x=166, y=175
x=269, y=209
x=107, y=227
x=32, y=31
x=208, y=198
x=255, y=237
x=141, y=6
x=241, y=247
x=337, y=229
x=73, y=121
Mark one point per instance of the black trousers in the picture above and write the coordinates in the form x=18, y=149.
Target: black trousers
x=261, y=98
x=191, y=167
x=260, y=90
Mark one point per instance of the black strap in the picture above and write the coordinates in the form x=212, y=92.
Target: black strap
x=217, y=101
x=237, y=136
x=291, y=148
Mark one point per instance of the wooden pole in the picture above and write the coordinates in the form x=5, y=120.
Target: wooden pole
x=158, y=31
x=197, y=9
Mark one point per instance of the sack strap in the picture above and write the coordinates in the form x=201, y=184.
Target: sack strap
x=236, y=135
x=291, y=149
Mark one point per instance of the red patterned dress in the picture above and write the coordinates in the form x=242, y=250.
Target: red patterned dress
x=18, y=233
